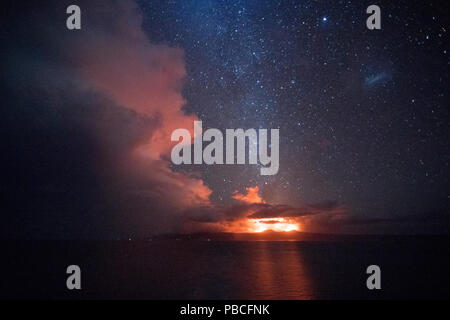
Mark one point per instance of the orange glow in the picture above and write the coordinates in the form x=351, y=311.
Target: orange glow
x=274, y=224
x=278, y=224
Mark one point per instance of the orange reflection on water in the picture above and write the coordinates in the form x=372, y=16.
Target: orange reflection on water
x=278, y=272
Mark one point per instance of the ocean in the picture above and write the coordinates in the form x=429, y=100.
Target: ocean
x=412, y=267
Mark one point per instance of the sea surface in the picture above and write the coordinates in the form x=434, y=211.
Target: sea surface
x=411, y=268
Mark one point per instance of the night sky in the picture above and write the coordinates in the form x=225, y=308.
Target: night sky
x=364, y=115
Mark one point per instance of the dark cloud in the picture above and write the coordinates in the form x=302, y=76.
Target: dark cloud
x=223, y=216
x=292, y=212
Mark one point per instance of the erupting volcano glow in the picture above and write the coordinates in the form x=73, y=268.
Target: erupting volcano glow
x=274, y=224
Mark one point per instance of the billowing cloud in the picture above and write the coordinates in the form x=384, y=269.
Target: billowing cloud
x=252, y=195
x=87, y=124
x=115, y=57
